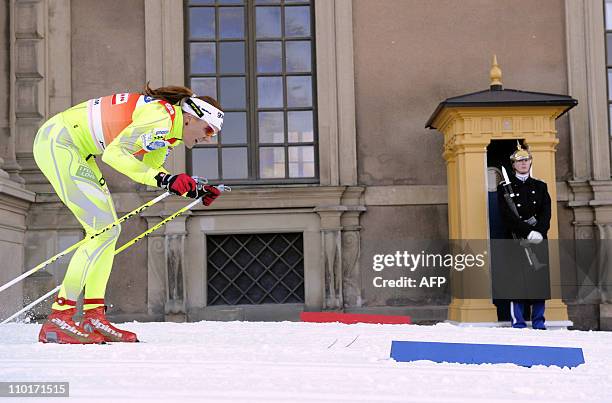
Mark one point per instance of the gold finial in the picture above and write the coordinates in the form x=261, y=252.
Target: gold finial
x=496, y=75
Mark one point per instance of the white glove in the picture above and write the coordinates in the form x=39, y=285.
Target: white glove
x=535, y=237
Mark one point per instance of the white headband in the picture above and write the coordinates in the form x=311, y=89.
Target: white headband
x=204, y=111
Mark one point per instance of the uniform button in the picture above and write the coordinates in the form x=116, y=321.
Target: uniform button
x=534, y=202
x=518, y=205
x=517, y=194
x=533, y=191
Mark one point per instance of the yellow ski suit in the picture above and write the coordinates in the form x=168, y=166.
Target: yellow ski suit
x=122, y=128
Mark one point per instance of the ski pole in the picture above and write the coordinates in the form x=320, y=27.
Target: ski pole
x=222, y=188
x=84, y=240
x=31, y=305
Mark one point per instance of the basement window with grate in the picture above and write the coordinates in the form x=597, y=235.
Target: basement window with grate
x=253, y=269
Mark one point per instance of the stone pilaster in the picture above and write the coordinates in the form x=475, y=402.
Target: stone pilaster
x=331, y=247
x=28, y=81
x=157, y=278
x=605, y=273
x=165, y=261
x=175, y=258
x=591, y=202
x=351, y=247
x=351, y=251
x=340, y=248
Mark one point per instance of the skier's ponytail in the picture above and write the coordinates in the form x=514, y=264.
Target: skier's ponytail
x=175, y=94
x=172, y=93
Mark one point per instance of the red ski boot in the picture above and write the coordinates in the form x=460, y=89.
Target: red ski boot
x=94, y=320
x=60, y=328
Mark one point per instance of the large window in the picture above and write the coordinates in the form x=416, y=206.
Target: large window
x=257, y=58
x=608, y=22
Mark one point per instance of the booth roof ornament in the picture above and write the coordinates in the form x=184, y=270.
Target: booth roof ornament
x=496, y=75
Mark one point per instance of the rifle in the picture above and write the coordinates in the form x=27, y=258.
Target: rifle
x=524, y=243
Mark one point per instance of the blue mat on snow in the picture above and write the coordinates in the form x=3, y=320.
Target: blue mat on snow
x=465, y=353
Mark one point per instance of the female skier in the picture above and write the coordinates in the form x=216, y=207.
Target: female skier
x=132, y=133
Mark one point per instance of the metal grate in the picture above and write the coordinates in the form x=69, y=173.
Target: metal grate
x=252, y=269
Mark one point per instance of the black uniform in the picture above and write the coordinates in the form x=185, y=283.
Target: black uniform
x=522, y=267
x=532, y=200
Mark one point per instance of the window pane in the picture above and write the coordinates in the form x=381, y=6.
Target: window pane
x=610, y=116
x=297, y=21
x=299, y=91
x=202, y=57
x=204, y=86
x=301, y=162
x=231, y=55
x=270, y=92
x=231, y=1
x=271, y=127
x=232, y=92
x=204, y=162
x=272, y=162
x=609, y=14
x=231, y=22
x=202, y=22
x=234, y=128
x=298, y=56
x=235, y=162
x=269, y=57
x=202, y=2
x=268, y=22
x=299, y=126
x=609, y=48
x=267, y=2
x=610, y=84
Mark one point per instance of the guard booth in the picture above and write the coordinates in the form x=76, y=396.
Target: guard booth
x=480, y=131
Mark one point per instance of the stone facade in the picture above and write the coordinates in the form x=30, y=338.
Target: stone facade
x=382, y=67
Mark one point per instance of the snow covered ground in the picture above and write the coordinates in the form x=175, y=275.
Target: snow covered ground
x=300, y=362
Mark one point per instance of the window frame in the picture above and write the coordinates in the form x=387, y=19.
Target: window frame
x=251, y=75
x=608, y=64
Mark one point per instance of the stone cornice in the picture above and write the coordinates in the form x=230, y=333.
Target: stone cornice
x=414, y=195
x=15, y=196
x=590, y=193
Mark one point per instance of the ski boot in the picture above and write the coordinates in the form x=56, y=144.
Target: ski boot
x=60, y=328
x=94, y=321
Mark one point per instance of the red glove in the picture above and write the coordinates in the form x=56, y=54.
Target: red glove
x=211, y=194
x=177, y=184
